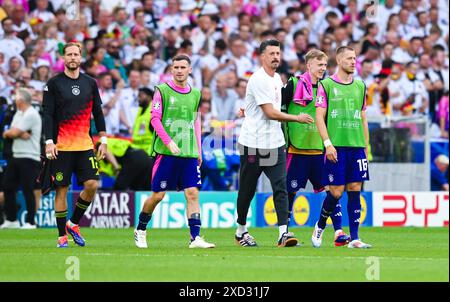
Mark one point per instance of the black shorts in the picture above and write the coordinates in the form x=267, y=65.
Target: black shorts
x=83, y=163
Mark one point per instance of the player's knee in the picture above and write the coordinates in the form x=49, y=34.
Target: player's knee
x=191, y=194
x=158, y=196
x=91, y=186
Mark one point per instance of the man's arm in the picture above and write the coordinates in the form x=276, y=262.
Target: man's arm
x=49, y=108
x=156, y=122
x=100, y=124
x=13, y=133
x=273, y=114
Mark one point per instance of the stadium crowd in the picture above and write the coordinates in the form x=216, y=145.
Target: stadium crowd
x=402, y=48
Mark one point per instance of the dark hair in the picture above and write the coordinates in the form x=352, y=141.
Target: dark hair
x=147, y=91
x=270, y=42
x=185, y=44
x=221, y=44
x=181, y=58
x=4, y=20
x=366, y=61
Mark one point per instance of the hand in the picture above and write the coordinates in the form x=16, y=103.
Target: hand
x=331, y=154
x=51, y=152
x=305, y=118
x=130, y=130
x=200, y=161
x=174, y=148
x=25, y=135
x=101, y=153
x=241, y=113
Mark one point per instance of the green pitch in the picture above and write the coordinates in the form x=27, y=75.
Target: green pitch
x=399, y=254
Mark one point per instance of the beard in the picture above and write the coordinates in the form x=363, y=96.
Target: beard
x=71, y=65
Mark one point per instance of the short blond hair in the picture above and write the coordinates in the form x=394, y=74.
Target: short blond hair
x=315, y=54
x=71, y=44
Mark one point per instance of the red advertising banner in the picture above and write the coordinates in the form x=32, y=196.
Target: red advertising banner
x=424, y=209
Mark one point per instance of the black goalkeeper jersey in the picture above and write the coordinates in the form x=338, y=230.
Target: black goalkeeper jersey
x=68, y=105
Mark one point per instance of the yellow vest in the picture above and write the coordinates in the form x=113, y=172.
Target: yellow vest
x=142, y=136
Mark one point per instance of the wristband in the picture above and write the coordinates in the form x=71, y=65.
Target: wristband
x=49, y=141
x=327, y=143
x=104, y=140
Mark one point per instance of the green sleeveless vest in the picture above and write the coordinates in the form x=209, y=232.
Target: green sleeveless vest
x=179, y=114
x=304, y=136
x=345, y=103
x=142, y=136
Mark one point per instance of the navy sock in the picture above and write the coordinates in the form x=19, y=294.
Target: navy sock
x=144, y=218
x=337, y=217
x=291, y=197
x=328, y=207
x=354, y=213
x=194, y=225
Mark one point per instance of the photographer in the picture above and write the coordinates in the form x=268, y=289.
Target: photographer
x=23, y=166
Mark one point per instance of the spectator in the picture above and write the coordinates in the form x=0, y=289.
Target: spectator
x=142, y=131
x=23, y=167
x=223, y=100
x=416, y=97
x=129, y=103
x=10, y=45
x=110, y=102
x=439, y=173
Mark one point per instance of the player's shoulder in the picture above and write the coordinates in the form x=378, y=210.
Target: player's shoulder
x=359, y=83
x=88, y=78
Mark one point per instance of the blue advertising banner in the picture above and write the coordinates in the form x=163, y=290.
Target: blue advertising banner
x=218, y=210
x=306, y=209
x=45, y=215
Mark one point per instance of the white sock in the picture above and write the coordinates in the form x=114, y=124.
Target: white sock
x=282, y=229
x=241, y=230
x=71, y=224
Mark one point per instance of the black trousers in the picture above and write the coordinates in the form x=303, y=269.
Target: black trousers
x=136, y=172
x=20, y=172
x=273, y=163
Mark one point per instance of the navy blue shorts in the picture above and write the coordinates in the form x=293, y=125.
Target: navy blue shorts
x=352, y=166
x=301, y=168
x=175, y=173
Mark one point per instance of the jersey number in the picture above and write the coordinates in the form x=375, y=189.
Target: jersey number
x=362, y=164
x=94, y=164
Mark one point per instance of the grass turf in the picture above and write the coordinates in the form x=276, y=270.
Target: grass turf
x=403, y=254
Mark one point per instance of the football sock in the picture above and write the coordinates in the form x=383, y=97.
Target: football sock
x=328, y=206
x=194, y=225
x=354, y=213
x=79, y=210
x=61, y=218
x=281, y=230
x=291, y=197
x=241, y=230
x=337, y=217
x=144, y=218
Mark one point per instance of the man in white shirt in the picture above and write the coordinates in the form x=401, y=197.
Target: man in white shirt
x=23, y=167
x=10, y=45
x=129, y=103
x=110, y=101
x=262, y=144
